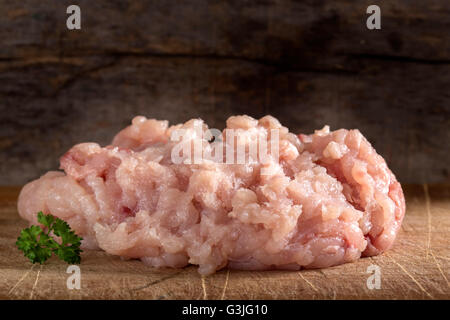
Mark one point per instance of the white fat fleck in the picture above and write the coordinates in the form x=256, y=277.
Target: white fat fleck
x=334, y=150
x=323, y=132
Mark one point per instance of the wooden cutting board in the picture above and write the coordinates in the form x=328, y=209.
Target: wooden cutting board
x=417, y=267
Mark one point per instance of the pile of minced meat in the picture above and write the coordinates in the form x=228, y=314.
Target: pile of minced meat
x=327, y=198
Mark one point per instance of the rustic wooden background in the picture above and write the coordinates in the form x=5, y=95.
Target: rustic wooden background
x=309, y=63
x=417, y=267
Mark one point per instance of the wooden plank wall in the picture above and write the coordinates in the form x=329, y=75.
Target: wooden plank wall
x=308, y=63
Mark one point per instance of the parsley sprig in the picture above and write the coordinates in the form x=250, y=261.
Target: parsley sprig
x=37, y=244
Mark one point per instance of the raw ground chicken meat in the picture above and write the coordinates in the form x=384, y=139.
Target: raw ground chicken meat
x=328, y=199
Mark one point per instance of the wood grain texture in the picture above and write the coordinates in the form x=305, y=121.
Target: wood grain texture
x=309, y=63
x=417, y=267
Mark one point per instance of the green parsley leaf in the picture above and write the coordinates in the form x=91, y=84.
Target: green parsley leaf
x=37, y=245
x=46, y=220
